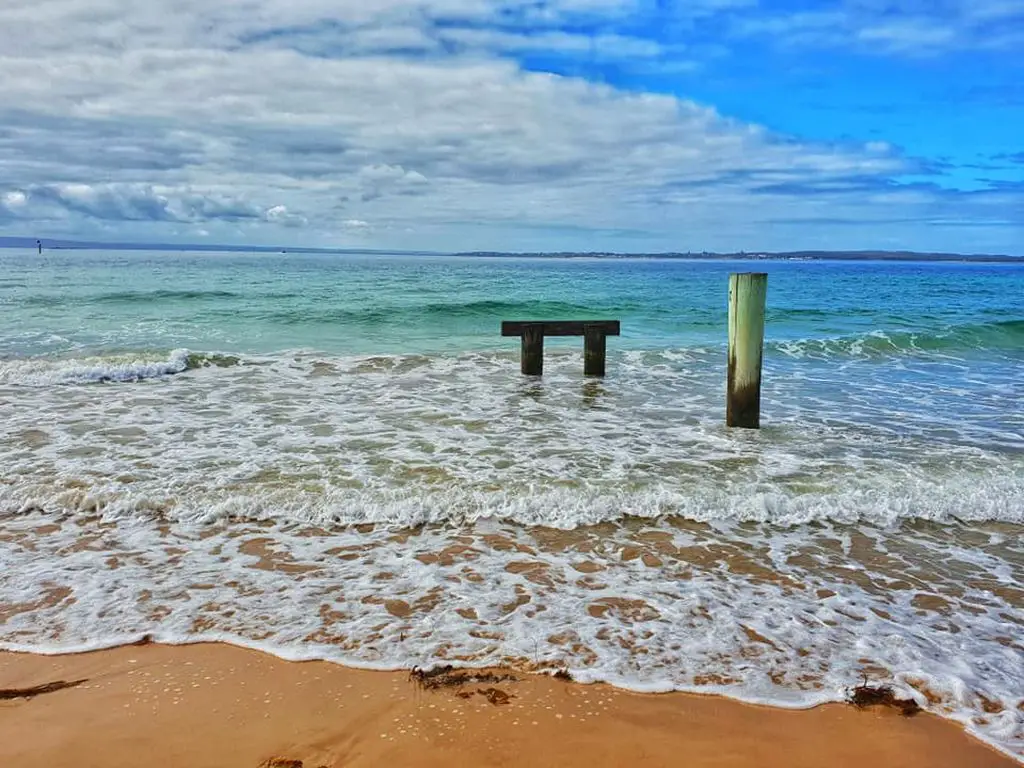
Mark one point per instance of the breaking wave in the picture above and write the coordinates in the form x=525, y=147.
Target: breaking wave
x=46, y=371
x=1004, y=336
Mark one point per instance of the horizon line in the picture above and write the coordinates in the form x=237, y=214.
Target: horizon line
x=754, y=255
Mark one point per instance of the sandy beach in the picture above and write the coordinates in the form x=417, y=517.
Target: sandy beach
x=221, y=706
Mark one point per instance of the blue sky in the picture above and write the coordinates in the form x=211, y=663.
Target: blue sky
x=625, y=125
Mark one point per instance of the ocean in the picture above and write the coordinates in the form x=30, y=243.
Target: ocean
x=327, y=456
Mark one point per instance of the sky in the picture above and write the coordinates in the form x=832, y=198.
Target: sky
x=516, y=125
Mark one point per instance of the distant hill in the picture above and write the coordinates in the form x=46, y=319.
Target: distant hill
x=51, y=244
x=766, y=256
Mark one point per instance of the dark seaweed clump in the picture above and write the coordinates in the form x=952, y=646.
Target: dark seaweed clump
x=449, y=677
x=866, y=695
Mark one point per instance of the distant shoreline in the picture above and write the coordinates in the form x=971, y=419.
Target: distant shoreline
x=768, y=256
x=805, y=255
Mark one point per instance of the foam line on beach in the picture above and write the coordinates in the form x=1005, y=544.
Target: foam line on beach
x=886, y=502
x=759, y=613
x=319, y=713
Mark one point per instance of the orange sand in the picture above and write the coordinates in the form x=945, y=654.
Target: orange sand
x=219, y=706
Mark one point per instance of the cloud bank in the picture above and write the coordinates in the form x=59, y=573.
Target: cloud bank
x=420, y=125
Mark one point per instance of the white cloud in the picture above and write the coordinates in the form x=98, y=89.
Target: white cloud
x=310, y=119
x=279, y=214
x=15, y=199
x=884, y=27
x=911, y=34
x=603, y=46
x=135, y=202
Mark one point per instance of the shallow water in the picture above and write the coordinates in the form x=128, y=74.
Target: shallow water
x=336, y=457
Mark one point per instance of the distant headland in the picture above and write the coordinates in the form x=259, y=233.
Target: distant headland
x=765, y=256
x=805, y=255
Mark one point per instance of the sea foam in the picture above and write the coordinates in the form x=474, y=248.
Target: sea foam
x=113, y=368
x=396, y=510
x=787, y=617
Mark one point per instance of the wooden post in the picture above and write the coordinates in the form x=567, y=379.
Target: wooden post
x=747, y=294
x=532, y=360
x=593, y=350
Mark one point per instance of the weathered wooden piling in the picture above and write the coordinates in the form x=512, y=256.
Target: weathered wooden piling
x=594, y=345
x=532, y=359
x=747, y=294
x=532, y=333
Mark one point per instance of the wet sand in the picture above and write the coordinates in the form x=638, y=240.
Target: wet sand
x=219, y=706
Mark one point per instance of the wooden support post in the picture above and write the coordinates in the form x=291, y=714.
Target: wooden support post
x=532, y=360
x=747, y=294
x=593, y=350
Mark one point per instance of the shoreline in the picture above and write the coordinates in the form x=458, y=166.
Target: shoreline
x=869, y=255
x=221, y=705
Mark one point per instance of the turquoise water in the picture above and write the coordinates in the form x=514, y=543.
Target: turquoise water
x=936, y=348
x=70, y=301
x=266, y=449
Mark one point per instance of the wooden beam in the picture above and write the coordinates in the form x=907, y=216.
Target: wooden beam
x=747, y=295
x=561, y=327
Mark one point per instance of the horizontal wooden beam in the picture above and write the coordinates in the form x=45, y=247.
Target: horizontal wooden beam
x=562, y=327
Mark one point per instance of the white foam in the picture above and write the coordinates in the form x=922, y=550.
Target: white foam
x=42, y=371
x=414, y=440
x=736, y=610
x=906, y=504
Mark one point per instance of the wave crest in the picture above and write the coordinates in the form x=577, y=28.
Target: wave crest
x=1004, y=335
x=42, y=371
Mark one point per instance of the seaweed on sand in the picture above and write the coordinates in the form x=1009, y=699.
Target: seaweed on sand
x=866, y=695
x=38, y=690
x=449, y=677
